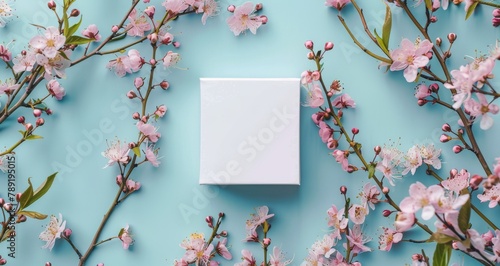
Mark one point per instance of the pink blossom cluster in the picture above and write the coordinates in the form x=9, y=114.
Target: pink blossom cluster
x=245, y=18
x=209, y=8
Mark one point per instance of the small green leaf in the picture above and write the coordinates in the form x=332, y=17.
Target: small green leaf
x=371, y=170
x=22, y=132
x=471, y=10
x=32, y=137
x=77, y=40
x=7, y=234
x=137, y=151
x=33, y=214
x=63, y=54
x=442, y=255
x=42, y=189
x=26, y=196
x=428, y=4
x=464, y=215
x=65, y=20
x=73, y=28
x=386, y=28
x=381, y=42
x=441, y=238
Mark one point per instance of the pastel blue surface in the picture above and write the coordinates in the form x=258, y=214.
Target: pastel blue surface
x=96, y=110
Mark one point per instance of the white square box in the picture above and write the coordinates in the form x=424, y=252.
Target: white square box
x=250, y=131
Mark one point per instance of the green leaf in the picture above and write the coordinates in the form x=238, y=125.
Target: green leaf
x=371, y=170
x=441, y=238
x=464, y=215
x=26, y=196
x=77, y=40
x=442, y=255
x=386, y=28
x=73, y=28
x=137, y=151
x=32, y=137
x=42, y=189
x=7, y=234
x=381, y=42
x=428, y=4
x=65, y=20
x=33, y=214
x=471, y=10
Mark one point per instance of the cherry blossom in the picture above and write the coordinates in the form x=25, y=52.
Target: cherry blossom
x=5, y=54
x=6, y=12
x=131, y=186
x=337, y=220
x=171, y=59
x=248, y=259
x=462, y=83
x=314, y=96
x=137, y=25
x=430, y=155
x=259, y=217
x=457, y=182
x=410, y=57
x=492, y=195
x=344, y=101
x=422, y=91
x=117, y=152
x=243, y=18
x=357, y=240
x=56, y=66
x=151, y=156
x=337, y=4
x=324, y=247
x=278, y=258
x=149, y=131
x=325, y=131
x=369, y=196
x=175, y=6
x=49, y=43
x=209, y=9
x=481, y=109
x=357, y=213
x=24, y=61
x=341, y=157
x=389, y=237
x=53, y=231
x=92, y=32
x=413, y=160
x=8, y=87
x=222, y=250
x=125, y=237
x=423, y=198
x=55, y=89
x=404, y=221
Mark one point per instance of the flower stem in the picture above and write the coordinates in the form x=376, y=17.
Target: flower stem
x=74, y=247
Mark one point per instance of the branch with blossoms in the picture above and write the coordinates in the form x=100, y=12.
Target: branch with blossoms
x=450, y=202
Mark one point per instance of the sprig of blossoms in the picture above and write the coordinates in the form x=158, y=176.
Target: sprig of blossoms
x=245, y=18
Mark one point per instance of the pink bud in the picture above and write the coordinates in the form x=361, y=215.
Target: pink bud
x=119, y=180
x=343, y=190
x=421, y=102
x=231, y=8
x=386, y=213
x=457, y=149
x=258, y=6
x=48, y=111
x=454, y=245
x=460, y=131
x=37, y=112
x=153, y=38
x=496, y=12
x=48, y=264
x=434, y=87
x=438, y=41
x=114, y=29
x=310, y=55
x=209, y=219
x=2, y=202
x=144, y=119
x=329, y=94
x=434, y=19
x=7, y=206
x=446, y=127
x=266, y=242
x=417, y=257
x=152, y=61
x=164, y=84
x=18, y=196
x=21, y=219
x=309, y=44
x=355, y=130
x=377, y=150
x=475, y=181
x=263, y=19
x=102, y=264
x=3, y=261
x=176, y=44
x=136, y=116
x=67, y=232
x=453, y=173
x=386, y=190
x=51, y=4
x=138, y=82
x=495, y=21
x=328, y=46
x=404, y=221
x=444, y=138
x=224, y=233
x=132, y=145
x=74, y=13
x=150, y=11
x=221, y=214
x=21, y=120
x=40, y=121
x=131, y=94
x=429, y=54
x=28, y=126
x=452, y=37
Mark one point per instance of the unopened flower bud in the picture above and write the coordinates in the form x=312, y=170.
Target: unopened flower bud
x=37, y=112
x=452, y=37
x=152, y=61
x=377, y=150
x=74, y=13
x=67, y=232
x=100, y=264
x=429, y=54
x=2, y=202
x=421, y=102
x=223, y=233
x=221, y=214
x=475, y=181
x=386, y=213
x=496, y=12
x=263, y=19
x=48, y=264
x=40, y=121
x=385, y=190
x=131, y=95
x=132, y=145
x=144, y=119
x=258, y=6
x=3, y=261
x=328, y=46
x=119, y=180
x=309, y=44
x=310, y=55
x=355, y=130
x=21, y=120
x=164, y=84
x=447, y=54
x=434, y=19
x=332, y=143
x=52, y=5
x=417, y=257
x=150, y=11
x=444, y=138
x=21, y=219
x=114, y=29
x=453, y=173
x=495, y=21
x=18, y=196
x=153, y=37
x=136, y=116
x=454, y=245
x=28, y=126
x=209, y=219
x=7, y=206
x=176, y=44
x=438, y=41
x=343, y=190
x=446, y=127
x=460, y=131
x=231, y=8
x=48, y=111
x=266, y=242
x=138, y=82
x=457, y=149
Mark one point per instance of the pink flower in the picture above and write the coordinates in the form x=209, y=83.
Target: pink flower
x=337, y=4
x=243, y=18
x=197, y=250
x=171, y=59
x=151, y=156
x=132, y=62
x=259, y=217
x=5, y=54
x=457, y=182
x=137, y=25
x=430, y=155
x=175, y=6
x=423, y=198
x=161, y=110
x=135, y=60
x=278, y=258
x=388, y=169
x=412, y=160
x=56, y=66
x=252, y=235
x=357, y=240
x=148, y=131
x=125, y=237
x=8, y=87
x=481, y=109
x=165, y=37
x=314, y=96
x=422, y=91
x=117, y=152
x=324, y=247
x=24, y=62
x=131, y=186
x=209, y=8
x=369, y=196
x=404, y=221
x=344, y=101
x=410, y=57
x=357, y=213
x=337, y=220
x=50, y=43
x=53, y=231
x=248, y=259
x=341, y=157
x=325, y=131
x=492, y=195
x=222, y=250
x=6, y=12
x=389, y=237
x=55, y=89
x=92, y=32
x=462, y=82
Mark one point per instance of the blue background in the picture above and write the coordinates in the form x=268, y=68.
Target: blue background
x=386, y=111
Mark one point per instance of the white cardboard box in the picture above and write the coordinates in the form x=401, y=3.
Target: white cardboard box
x=250, y=131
